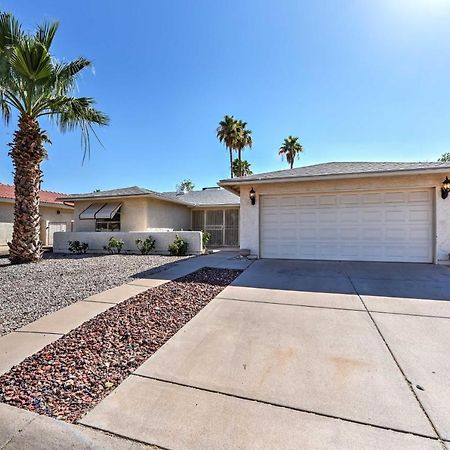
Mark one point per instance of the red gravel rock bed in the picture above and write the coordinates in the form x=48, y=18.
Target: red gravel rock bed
x=71, y=375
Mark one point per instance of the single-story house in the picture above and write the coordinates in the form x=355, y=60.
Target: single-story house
x=136, y=209
x=365, y=211
x=56, y=214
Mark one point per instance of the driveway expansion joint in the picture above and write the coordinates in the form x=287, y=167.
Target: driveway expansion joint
x=121, y=436
x=290, y=304
x=409, y=314
x=439, y=437
x=279, y=405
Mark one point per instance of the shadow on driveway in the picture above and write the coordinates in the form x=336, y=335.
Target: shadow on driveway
x=399, y=280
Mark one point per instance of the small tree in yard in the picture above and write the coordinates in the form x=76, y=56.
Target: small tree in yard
x=35, y=86
x=185, y=186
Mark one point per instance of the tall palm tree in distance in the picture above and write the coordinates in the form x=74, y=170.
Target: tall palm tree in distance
x=227, y=132
x=291, y=148
x=35, y=85
x=244, y=139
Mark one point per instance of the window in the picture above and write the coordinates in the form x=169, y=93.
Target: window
x=108, y=225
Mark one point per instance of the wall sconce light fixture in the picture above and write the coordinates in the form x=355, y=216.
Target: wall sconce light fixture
x=445, y=189
x=253, y=196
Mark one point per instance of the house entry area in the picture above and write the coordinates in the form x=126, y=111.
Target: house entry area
x=221, y=224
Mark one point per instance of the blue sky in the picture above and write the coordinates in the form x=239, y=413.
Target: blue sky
x=355, y=80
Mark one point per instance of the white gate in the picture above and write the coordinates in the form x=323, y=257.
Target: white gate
x=53, y=227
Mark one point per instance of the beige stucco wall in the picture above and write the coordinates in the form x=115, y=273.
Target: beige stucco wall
x=139, y=214
x=162, y=214
x=133, y=214
x=6, y=212
x=249, y=215
x=48, y=214
x=97, y=241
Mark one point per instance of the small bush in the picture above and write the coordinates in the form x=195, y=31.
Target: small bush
x=205, y=238
x=114, y=245
x=178, y=247
x=77, y=247
x=146, y=246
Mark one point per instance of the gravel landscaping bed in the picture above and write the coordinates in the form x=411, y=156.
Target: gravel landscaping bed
x=30, y=291
x=71, y=375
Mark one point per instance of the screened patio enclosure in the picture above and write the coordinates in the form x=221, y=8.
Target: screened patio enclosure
x=221, y=224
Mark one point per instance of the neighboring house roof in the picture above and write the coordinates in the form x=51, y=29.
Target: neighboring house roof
x=206, y=197
x=342, y=169
x=56, y=198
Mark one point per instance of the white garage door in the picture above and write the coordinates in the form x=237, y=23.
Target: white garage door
x=377, y=226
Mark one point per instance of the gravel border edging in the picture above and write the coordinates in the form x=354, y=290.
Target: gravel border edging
x=71, y=375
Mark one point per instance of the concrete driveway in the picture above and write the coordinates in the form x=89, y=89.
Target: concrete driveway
x=300, y=354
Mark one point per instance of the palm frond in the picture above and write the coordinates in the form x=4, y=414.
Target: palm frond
x=73, y=113
x=32, y=60
x=45, y=33
x=10, y=31
x=5, y=109
x=65, y=75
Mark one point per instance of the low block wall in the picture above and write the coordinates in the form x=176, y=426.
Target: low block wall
x=6, y=230
x=97, y=241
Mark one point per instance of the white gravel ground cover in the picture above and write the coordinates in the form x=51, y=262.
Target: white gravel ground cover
x=30, y=291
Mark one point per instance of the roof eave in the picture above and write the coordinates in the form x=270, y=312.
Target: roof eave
x=214, y=205
x=124, y=196
x=233, y=185
x=48, y=204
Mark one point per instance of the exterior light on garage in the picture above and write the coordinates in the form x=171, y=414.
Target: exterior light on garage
x=253, y=195
x=445, y=188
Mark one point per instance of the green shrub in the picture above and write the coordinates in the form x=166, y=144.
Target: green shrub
x=205, y=238
x=146, y=246
x=78, y=247
x=178, y=247
x=114, y=245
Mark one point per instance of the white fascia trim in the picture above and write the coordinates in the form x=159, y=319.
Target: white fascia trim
x=233, y=186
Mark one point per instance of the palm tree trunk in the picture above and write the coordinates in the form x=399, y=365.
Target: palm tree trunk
x=231, y=162
x=27, y=154
x=240, y=160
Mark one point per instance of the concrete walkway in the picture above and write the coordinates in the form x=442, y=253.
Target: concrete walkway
x=299, y=354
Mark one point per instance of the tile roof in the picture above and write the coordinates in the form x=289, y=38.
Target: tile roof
x=205, y=197
x=7, y=191
x=342, y=168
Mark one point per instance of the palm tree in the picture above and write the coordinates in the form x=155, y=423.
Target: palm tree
x=35, y=85
x=241, y=168
x=445, y=157
x=244, y=139
x=291, y=148
x=227, y=132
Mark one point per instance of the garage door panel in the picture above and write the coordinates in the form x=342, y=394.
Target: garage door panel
x=419, y=216
x=419, y=196
x=382, y=226
x=395, y=197
x=307, y=200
